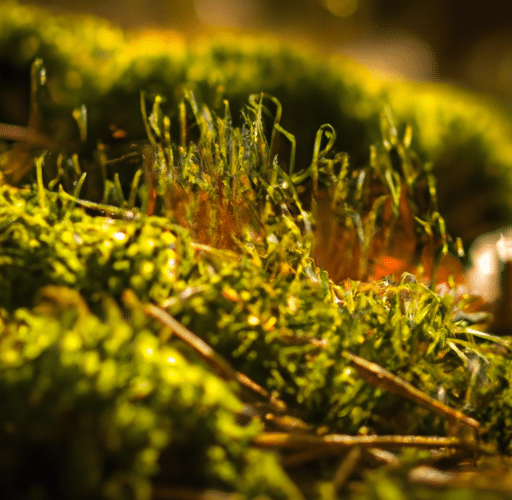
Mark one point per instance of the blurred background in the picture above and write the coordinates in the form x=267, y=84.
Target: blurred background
x=468, y=43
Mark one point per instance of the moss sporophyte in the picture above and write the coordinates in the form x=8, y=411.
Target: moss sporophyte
x=192, y=302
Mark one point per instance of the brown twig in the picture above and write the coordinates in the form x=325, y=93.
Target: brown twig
x=337, y=443
x=382, y=378
x=215, y=360
x=346, y=468
x=27, y=135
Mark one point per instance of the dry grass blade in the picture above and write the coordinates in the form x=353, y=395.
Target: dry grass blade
x=216, y=361
x=27, y=135
x=184, y=334
x=340, y=442
x=346, y=468
x=382, y=378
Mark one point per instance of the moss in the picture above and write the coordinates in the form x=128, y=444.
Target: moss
x=268, y=247
x=110, y=69
x=101, y=399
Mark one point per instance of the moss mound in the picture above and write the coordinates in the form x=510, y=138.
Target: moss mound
x=192, y=272
x=466, y=138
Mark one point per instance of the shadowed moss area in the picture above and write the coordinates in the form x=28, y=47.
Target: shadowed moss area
x=206, y=244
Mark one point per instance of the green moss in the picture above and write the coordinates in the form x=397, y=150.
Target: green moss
x=101, y=399
x=240, y=219
x=464, y=136
x=266, y=308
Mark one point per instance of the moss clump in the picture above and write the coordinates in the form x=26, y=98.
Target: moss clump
x=465, y=137
x=99, y=399
x=163, y=306
x=230, y=258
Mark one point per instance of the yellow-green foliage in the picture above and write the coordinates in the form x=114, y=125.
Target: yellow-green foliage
x=212, y=217
x=101, y=398
x=108, y=399
x=467, y=139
